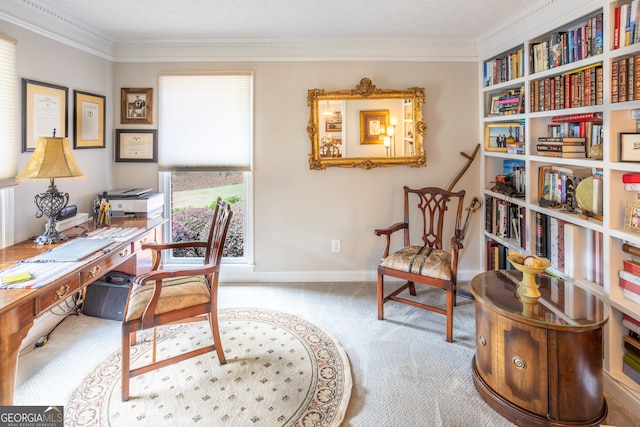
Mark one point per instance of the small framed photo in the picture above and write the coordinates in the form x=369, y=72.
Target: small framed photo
x=373, y=126
x=629, y=146
x=88, y=120
x=494, y=104
x=136, y=145
x=496, y=135
x=333, y=122
x=136, y=105
x=632, y=217
x=44, y=112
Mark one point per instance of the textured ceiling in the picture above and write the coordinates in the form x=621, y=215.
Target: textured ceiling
x=127, y=20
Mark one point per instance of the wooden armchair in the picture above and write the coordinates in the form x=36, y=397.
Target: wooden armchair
x=429, y=263
x=162, y=297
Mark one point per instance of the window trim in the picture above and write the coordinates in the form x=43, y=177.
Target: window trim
x=164, y=185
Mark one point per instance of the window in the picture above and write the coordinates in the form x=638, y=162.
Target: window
x=9, y=137
x=205, y=133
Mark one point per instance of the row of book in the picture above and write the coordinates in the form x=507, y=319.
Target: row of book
x=577, y=88
x=557, y=184
x=497, y=256
x=625, y=24
x=625, y=79
x=575, y=251
x=504, y=68
x=631, y=358
x=569, y=46
x=629, y=280
x=505, y=220
x=565, y=147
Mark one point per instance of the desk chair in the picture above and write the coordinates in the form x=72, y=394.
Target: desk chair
x=162, y=297
x=428, y=264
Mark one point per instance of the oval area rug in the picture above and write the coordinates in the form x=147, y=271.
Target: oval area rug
x=281, y=371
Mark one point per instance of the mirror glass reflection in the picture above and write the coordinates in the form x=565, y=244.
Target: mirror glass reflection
x=366, y=127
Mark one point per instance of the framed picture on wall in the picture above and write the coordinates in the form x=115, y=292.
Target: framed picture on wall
x=136, y=105
x=44, y=112
x=373, y=126
x=629, y=146
x=333, y=121
x=88, y=120
x=136, y=145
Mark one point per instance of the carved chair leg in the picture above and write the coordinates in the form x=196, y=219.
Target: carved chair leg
x=213, y=322
x=126, y=343
x=380, y=296
x=412, y=288
x=153, y=350
x=450, y=303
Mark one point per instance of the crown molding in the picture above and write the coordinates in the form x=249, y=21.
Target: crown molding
x=406, y=49
x=55, y=25
x=532, y=22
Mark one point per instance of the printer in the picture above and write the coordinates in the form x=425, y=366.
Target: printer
x=135, y=203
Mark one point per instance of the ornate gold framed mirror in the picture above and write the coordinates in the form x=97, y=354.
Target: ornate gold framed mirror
x=366, y=127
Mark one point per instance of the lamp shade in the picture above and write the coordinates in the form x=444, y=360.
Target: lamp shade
x=52, y=158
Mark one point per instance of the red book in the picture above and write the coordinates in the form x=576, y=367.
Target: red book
x=632, y=267
x=631, y=178
x=625, y=284
x=582, y=117
x=631, y=319
x=616, y=28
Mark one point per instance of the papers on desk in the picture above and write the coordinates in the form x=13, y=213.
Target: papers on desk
x=74, y=250
x=41, y=273
x=57, y=262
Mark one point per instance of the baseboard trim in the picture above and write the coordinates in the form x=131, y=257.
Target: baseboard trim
x=244, y=273
x=626, y=397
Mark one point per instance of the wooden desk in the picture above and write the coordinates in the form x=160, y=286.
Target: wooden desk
x=20, y=307
x=539, y=364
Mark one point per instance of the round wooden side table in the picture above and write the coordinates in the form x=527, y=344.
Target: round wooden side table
x=539, y=363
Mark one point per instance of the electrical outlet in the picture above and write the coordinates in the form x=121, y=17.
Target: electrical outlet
x=335, y=246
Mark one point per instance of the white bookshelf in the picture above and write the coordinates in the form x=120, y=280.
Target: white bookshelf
x=540, y=23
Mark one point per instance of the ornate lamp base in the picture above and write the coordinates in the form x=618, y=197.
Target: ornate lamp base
x=49, y=204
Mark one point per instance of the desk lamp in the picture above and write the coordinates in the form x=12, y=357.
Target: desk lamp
x=52, y=158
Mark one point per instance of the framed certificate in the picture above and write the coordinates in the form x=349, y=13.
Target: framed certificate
x=44, y=112
x=136, y=145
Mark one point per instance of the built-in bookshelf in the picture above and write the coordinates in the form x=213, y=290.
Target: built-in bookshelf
x=579, y=88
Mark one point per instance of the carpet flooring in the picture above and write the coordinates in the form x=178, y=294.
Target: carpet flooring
x=404, y=372
x=281, y=370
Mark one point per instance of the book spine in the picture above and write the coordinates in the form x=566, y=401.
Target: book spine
x=631, y=281
x=614, y=81
x=598, y=258
x=541, y=234
x=560, y=140
x=595, y=116
x=562, y=148
x=574, y=250
x=622, y=80
x=632, y=343
x=633, y=328
x=632, y=267
x=633, y=250
x=630, y=295
x=632, y=320
x=630, y=372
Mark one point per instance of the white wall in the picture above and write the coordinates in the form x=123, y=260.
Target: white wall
x=298, y=211
x=48, y=61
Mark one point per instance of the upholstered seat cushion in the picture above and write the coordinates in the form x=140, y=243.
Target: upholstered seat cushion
x=177, y=293
x=425, y=261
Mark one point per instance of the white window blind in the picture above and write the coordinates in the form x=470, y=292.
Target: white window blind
x=9, y=121
x=205, y=122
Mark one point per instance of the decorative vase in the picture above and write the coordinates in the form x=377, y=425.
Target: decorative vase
x=528, y=289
